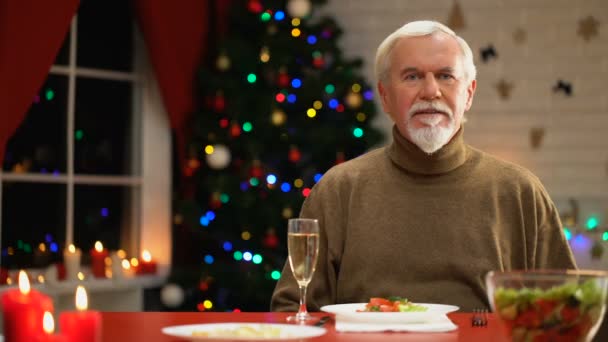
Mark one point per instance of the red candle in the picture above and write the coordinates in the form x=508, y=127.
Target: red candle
x=48, y=324
x=98, y=260
x=146, y=265
x=82, y=325
x=23, y=311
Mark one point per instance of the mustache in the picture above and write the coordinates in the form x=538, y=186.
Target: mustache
x=424, y=106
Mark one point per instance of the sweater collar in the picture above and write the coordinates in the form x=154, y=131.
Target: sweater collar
x=411, y=158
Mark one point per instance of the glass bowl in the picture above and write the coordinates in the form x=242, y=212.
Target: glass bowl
x=548, y=305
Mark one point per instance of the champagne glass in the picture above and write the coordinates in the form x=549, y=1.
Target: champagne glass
x=303, y=247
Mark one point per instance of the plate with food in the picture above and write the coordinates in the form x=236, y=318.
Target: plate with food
x=389, y=310
x=243, y=332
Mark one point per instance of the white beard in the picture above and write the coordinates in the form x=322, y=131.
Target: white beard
x=433, y=136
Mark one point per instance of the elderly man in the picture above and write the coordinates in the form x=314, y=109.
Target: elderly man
x=428, y=216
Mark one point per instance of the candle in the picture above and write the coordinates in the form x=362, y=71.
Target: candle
x=127, y=270
x=71, y=260
x=23, y=311
x=116, y=267
x=82, y=325
x=98, y=260
x=146, y=265
x=48, y=325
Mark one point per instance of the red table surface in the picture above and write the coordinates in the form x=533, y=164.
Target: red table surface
x=146, y=326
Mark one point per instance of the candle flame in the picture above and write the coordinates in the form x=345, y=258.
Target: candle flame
x=146, y=256
x=41, y=279
x=125, y=264
x=82, y=302
x=72, y=248
x=48, y=323
x=134, y=262
x=80, y=276
x=98, y=246
x=42, y=247
x=121, y=253
x=24, y=283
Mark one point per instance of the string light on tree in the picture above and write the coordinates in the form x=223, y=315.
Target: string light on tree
x=223, y=62
x=218, y=156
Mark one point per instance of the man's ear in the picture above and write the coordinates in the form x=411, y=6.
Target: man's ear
x=470, y=94
x=383, y=96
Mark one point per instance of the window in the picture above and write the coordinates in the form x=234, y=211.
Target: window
x=91, y=160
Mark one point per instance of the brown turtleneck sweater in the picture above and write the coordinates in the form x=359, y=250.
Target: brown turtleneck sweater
x=400, y=222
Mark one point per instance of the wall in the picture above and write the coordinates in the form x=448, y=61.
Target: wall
x=572, y=158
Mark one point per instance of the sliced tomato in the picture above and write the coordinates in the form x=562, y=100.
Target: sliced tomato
x=387, y=308
x=377, y=301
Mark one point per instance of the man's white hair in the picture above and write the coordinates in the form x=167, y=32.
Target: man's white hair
x=415, y=29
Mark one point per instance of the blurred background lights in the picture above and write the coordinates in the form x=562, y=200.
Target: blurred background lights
x=254, y=181
x=318, y=177
x=247, y=127
x=227, y=246
x=79, y=134
x=285, y=187
x=330, y=88
x=247, y=256
x=295, y=22
x=568, y=234
x=238, y=255
x=317, y=105
x=356, y=88
x=296, y=32
x=358, y=132
x=292, y=98
x=296, y=83
x=208, y=259
x=368, y=95
x=251, y=78
x=276, y=275
x=224, y=198
x=204, y=221
x=265, y=16
x=209, y=149
x=210, y=215
x=271, y=179
x=50, y=94
x=311, y=40
x=104, y=212
x=245, y=235
x=257, y=259
x=279, y=15
x=605, y=236
x=333, y=103
x=311, y=113
x=298, y=183
x=207, y=304
x=592, y=222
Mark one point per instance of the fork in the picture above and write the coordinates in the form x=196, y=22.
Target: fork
x=479, y=318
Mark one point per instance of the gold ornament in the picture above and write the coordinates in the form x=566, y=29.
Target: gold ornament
x=536, y=137
x=504, y=89
x=456, y=18
x=223, y=62
x=353, y=100
x=587, y=28
x=287, y=213
x=278, y=117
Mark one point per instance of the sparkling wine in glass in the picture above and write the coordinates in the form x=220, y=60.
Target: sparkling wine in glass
x=303, y=247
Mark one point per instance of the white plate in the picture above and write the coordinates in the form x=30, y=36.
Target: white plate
x=349, y=312
x=285, y=331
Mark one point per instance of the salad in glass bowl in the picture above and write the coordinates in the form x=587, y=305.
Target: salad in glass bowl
x=548, y=305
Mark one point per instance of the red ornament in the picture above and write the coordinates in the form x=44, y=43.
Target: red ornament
x=219, y=103
x=271, y=240
x=256, y=170
x=318, y=62
x=255, y=6
x=235, y=130
x=339, y=157
x=224, y=122
x=283, y=80
x=294, y=155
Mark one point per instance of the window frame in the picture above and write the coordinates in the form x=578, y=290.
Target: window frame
x=150, y=169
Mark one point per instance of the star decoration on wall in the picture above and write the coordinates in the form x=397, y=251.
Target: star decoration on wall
x=519, y=36
x=504, y=89
x=488, y=53
x=587, y=28
x=456, y=18
x=537, y=135
x=564, y=87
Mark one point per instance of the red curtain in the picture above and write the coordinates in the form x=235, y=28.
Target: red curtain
x=176, y=35
x=31, y=33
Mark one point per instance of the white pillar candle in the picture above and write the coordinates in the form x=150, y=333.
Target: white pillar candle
x=71, y=260
x=116, y=265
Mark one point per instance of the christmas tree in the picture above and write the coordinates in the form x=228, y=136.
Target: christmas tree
x=279, y=106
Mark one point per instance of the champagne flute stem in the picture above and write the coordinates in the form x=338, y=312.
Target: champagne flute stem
x=302, y=311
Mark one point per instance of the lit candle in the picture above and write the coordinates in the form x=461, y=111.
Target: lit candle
x=98, y=257
x=82, y=325
x=71, y=260
x=128, y=271
x=117, y=265
x=146, y=265
x=48, y=325
x=23, y=311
